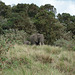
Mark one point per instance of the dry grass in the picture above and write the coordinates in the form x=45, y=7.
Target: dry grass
x=39, y=60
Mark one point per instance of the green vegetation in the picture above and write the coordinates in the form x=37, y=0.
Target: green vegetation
x=31, y=19
x=38, y=60
x=17, y=23
x=19, y=59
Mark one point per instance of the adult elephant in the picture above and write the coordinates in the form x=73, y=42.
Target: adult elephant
x=37, y=39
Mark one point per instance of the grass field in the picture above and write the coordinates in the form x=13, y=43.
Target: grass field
x=38, y=60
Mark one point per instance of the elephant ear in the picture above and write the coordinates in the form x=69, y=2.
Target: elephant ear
x=38, y=35
x=34, y=38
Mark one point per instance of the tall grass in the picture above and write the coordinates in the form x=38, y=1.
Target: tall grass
x=39, y=60
x=19, y=59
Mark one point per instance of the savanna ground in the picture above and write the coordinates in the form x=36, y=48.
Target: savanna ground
x=17, y=58
x=38, y=60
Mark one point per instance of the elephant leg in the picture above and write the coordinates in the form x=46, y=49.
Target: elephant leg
x=41, y=43
x=32, y=42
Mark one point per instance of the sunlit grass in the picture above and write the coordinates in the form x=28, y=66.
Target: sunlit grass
x=39, y=60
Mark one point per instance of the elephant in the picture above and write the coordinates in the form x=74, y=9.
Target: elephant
x=27, y=42
x=37, y=39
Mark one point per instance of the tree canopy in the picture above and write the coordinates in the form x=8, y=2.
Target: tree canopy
x=31, y=19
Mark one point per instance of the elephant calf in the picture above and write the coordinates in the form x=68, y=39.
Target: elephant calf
x=27, y=42
x=37, y=39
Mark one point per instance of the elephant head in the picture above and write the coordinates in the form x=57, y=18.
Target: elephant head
x=37, y=39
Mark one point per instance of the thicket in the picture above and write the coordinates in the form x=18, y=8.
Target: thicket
x=32, y=19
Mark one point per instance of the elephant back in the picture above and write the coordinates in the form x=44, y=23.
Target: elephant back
x=33, y=37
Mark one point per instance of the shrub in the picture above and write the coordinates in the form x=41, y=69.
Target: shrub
x=1, y=30
x=5, y=45
x=65, y=43
x=16, y=36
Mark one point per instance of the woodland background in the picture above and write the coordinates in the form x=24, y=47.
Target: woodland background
x=18, y=22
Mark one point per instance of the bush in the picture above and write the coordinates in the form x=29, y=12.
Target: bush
x=65, y=43
x=16, y=36
x=5, y=45
x=1, y=30
x=7, y=41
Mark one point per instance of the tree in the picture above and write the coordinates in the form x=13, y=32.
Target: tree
x=33, y=10
x=69, y=22
x=4, y=10
x=22, y=22
x=3, y=24
x=48, y=8
x=46, y=23
x=64, y=18
x=20, y=8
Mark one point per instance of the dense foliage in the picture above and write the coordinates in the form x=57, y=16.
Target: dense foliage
x=32, y=19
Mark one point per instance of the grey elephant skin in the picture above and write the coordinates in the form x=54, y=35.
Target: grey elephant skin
x=27, y=42
x=37, y=39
